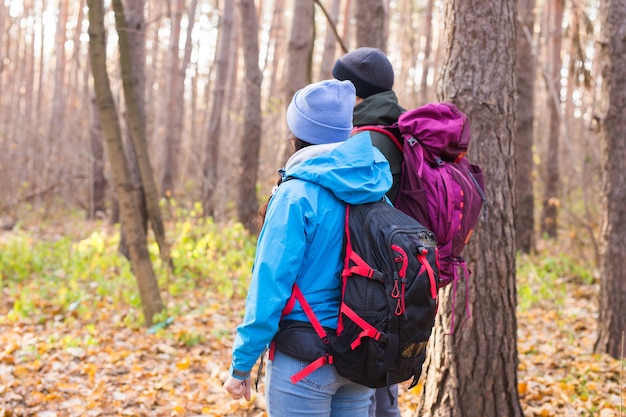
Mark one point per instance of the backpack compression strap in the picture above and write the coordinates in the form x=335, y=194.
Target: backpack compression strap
x=360, y=268
x=296, y=295
x=379, y=129
x=456, y=265
x=368, y=330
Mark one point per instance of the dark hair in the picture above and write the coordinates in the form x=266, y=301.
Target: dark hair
x=297, y=144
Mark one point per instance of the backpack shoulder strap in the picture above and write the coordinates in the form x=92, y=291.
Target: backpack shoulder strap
x=379, y=129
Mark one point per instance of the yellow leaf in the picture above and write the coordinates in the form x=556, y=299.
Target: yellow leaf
x=20, y=371
x=90, y=370
x=545, y=413
x=567, y=387
x=595, y=367
x=522, y=388
x=183, y=364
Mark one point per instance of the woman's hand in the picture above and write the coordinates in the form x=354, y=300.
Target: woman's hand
x=238, y=388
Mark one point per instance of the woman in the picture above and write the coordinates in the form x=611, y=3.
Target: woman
x=301, y=242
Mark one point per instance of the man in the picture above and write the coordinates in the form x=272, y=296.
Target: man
x=371, y=73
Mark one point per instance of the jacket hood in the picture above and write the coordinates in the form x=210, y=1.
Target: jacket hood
x=378, y=109
x=354, y=171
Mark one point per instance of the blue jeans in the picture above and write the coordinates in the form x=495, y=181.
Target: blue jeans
x=381, y=406
x=323, y=393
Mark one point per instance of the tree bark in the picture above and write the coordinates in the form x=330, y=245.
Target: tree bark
x=58, y=108
x=42, y=73
x=4, y=12
x=209, y=170
x=130, y=219
x=135, y=21
x=138, y=134
x=330, y=42
x=473, y=373
x=524, y=207
x=249, y=155
x=191, y=18
x=175, y=105
x=612, y=113
x=277, y=45
x=371, y=23
x=425, y=94
x=299, y=58
x=98, y=184
x=549, y=215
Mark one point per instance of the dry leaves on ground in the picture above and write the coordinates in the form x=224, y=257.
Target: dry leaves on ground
x=69, y=367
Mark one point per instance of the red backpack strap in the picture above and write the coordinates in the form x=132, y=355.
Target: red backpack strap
x=456, y=265
x=363, y=269
x=379, y=129
x=309, y=313
x=360, y=267
x=296, y=295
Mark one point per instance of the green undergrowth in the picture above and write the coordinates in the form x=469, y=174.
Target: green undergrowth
x=58, y=271
x=78, y=272
x=547, y=276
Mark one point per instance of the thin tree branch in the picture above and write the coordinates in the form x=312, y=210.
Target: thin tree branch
x=332, y=26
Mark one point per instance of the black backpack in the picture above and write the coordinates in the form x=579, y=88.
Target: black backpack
x=389, y=301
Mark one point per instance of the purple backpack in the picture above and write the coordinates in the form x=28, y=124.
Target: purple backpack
x=438, y=185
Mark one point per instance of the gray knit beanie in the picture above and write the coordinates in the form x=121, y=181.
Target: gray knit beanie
x=322, y=112
x=368, y=68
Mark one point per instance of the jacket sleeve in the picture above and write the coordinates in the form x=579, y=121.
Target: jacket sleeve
x=279, y=255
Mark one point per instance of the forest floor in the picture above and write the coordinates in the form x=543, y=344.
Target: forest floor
x=94, y=364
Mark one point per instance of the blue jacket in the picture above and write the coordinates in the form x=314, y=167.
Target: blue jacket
x=302, y=237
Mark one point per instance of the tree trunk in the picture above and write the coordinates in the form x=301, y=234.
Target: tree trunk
x=406, y=48
x=549, y=215
x=524, y=204
x=250, y=148
x=330, y=42
x=4, y=12
x=134, y=14
x=209, y=170
x=97, y=206
x=612, y=320
x=371, y=23
x=426, y=62
x=299, y=58
x=42, y=74
x=347, y=26
x=473, y=373
x=191, y=145
x=55, y=131
x=136, y=120
x=130, y=219
x=31, y=82
x=175, y=105
x=277, y=42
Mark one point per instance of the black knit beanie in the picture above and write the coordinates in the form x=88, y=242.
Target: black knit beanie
x=369, y=70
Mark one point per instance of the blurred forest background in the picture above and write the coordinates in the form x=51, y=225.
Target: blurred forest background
x=195, y=87
x=169, y=117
